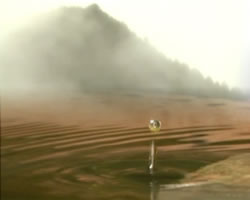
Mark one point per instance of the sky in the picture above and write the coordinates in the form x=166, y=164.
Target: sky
x=210, y=35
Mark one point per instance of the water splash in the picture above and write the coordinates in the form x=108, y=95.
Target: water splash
x=154, y=126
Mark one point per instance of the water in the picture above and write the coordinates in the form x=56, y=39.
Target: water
x=154, y=126
x=47, y=160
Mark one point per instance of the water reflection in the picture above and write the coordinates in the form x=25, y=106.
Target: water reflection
x=153, y=190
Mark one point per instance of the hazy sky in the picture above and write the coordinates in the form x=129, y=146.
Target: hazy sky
x=210, y=35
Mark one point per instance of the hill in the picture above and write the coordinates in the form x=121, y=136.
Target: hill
x=87, y=50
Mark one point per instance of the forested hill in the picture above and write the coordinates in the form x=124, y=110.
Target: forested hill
x=88, y=50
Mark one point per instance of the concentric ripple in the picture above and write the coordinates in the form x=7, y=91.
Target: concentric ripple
x=49, y=161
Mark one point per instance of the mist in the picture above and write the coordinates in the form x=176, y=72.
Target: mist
x=76, y=50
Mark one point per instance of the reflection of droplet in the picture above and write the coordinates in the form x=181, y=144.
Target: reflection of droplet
x=154, y=125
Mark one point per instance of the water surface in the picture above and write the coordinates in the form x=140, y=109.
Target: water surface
x=44, y=159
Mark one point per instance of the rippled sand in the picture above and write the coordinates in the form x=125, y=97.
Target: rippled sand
x=96, y=147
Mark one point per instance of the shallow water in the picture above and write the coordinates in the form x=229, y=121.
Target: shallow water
x=51, y=161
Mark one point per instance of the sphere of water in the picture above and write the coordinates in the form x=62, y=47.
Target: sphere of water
x=154, y=125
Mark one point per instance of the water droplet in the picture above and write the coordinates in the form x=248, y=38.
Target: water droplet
x=154, y=125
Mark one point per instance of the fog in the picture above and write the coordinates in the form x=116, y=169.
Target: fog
x=76, y=50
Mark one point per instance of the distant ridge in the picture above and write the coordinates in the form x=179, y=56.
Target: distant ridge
x=91, y=51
